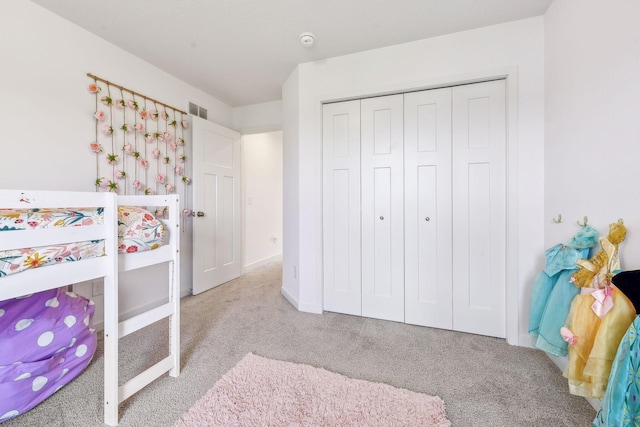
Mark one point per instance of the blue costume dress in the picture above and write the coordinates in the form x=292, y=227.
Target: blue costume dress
x=552, y=291
x=621, y=402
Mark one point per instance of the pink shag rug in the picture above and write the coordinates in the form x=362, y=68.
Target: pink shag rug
x=264, y=392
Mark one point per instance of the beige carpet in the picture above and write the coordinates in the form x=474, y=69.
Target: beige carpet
x=265, y=392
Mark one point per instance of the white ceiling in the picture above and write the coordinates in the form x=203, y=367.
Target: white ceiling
x=242, y=51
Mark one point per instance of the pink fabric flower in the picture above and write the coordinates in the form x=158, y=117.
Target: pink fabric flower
x=106, y=100
x=137, y=184
x=158, y=136
x=132, y=104
x=144, y=164
x=144, y=114
x=181, y=141
x=127, y=149
x=149, y=191
x=102, y=182
x=153, y=114
x=186, y=180
x=113, y=186
x=186, y=212
x=164, y=115
x=160, y=178
x=182, y=158
x=173, y=146
x=121, y=174
x=125, y=127
x=94, y=88
x=120, y=104
x=95, y=147
x=167, y=135
x=107, y=130
x=99, y=115
x=148, y=137
x=178, y=170
x=173, y=123
x=185, y=124
x=138, y=127
x=166, y=160
x=156, y=153
x=136, y=154
x=169, y=187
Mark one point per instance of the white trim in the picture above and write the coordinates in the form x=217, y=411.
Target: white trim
x=289, y=298
x=263, y=262
x=562, y=362
x=510, y=74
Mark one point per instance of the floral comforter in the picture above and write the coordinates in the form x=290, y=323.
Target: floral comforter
x=138, y=230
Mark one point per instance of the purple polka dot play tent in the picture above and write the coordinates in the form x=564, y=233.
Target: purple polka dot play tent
x=46, y=340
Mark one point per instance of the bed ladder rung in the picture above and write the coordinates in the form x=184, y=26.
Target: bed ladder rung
x=143, y=379
x=145, y=319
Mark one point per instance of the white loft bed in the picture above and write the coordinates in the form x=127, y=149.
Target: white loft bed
x=107, y=267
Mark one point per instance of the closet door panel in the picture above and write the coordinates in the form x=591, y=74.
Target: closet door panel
x=427, y=162
x=382, y=208
x=341, y=207
x=479, y=208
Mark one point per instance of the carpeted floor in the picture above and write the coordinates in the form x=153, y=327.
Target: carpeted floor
x=483, y=381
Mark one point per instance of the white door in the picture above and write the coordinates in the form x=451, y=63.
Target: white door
x=382, y=207
x=427, y=204
x=479, y=208
x=217, y=256
x=341, y=207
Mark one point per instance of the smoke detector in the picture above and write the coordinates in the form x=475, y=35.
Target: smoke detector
x=307, y=39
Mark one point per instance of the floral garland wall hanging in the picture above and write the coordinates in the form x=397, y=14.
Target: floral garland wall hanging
x=139, y=143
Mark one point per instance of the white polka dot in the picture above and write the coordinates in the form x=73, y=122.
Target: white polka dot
x=70, y=320
x=25, y=296
x=53, y=302
x=23, y=376
x=38, y=383
x=45, y=339
x=61, y=360
x=17, y=363
x=86, y=321
x=2, y=312
x=73, y=341
x=91, y=302
x=23, y=324
x=60, y=350
x=81, y=350
x=71, y=294
x=8, y=415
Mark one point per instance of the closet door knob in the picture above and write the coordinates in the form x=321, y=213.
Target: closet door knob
x=200, y=213
x=427, y=219
x=381, y=218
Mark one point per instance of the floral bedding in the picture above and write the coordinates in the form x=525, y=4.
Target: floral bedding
x=138, y=231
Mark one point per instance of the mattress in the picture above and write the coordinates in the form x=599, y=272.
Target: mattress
x=138, y=230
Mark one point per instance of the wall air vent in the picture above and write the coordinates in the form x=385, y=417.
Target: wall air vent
x=197, y=110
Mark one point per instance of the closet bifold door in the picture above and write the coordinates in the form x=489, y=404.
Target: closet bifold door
x=341, y=207
x=427, y=225
x=479, y=208
x=382, y=208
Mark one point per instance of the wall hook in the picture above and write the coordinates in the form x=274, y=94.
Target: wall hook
x=558, y=219
x=583, y=224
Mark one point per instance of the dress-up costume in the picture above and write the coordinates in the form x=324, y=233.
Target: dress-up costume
x=552, y=291
x=621, y=402
x=558, y=259
x=598, y=319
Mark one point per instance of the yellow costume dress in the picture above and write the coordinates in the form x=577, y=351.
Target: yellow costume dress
x=598, y=318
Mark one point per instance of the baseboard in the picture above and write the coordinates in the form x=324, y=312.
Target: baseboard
x=562, y=362
x=263, y=262
x=289, y=298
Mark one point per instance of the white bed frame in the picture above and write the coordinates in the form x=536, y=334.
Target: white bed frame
x=107, y=267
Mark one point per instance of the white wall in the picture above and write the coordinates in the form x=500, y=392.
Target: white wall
x=257, y=118
x=516, y=46
x=46, y=111
x=592, y=119
x=262, y=195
